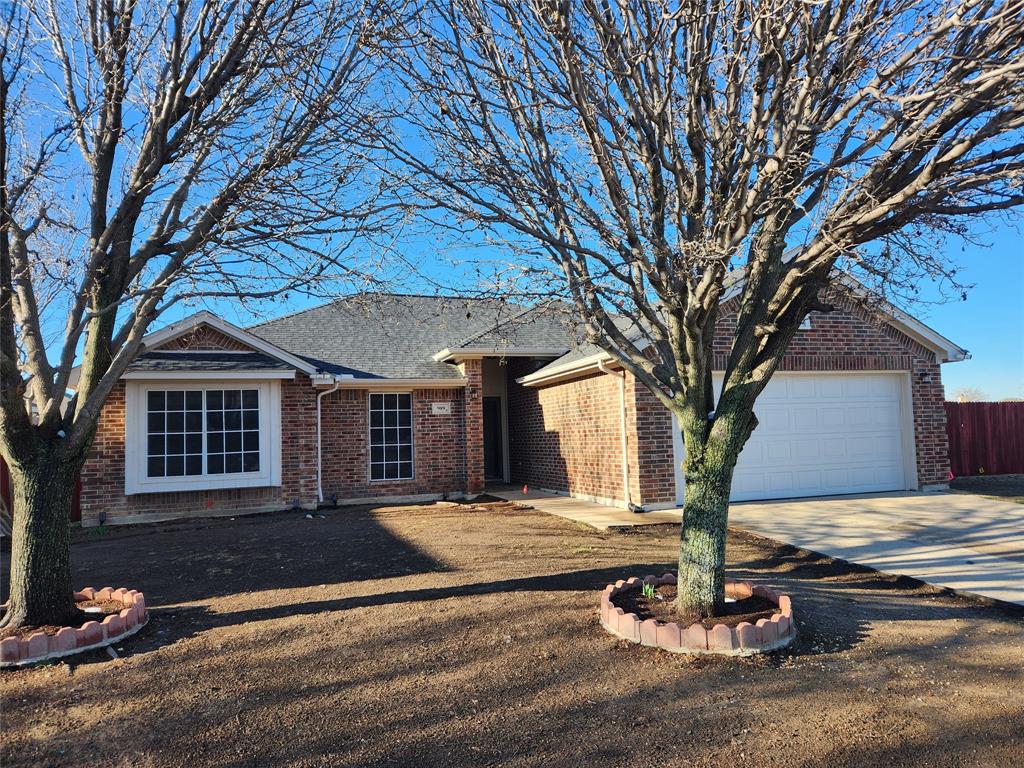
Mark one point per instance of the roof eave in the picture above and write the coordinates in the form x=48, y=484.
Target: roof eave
x=448, y=355
x=350, y=382
x=571, y=370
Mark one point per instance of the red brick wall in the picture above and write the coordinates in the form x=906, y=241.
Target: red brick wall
x=565, y=436
x=439, y=458
x=930, y=434
x=103, y=473
x=657, y=460
x=438, y=446
x=473, y=435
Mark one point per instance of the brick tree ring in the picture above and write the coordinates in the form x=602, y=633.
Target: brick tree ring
x=114, y=627
x=745, y=639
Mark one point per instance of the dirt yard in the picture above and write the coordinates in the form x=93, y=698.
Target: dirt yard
x=468, y=636
x=1007, y=487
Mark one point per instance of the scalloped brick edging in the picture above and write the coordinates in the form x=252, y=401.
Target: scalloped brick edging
x=745, y=639
x=39, y=646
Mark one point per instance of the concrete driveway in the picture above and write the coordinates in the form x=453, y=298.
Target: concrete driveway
x=957, y=540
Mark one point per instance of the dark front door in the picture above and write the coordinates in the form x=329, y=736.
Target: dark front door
x=494, y=460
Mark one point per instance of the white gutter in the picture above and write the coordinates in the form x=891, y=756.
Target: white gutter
x=319, y=435
x=573, y=369
x=447, y=354
x=602, y=366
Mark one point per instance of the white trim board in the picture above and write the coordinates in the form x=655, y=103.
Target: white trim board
x=200, y=376
x=136, y=433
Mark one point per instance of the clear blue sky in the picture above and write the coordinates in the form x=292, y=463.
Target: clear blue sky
x=990, y=324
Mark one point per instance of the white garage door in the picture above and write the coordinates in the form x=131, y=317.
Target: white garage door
x=822, y=434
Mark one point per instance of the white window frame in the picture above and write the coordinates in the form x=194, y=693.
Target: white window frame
x=136, y=445
x=369, y=433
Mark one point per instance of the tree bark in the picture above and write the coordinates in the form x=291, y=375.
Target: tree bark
x=711, y=453
x=701, y=576
x=41, y=592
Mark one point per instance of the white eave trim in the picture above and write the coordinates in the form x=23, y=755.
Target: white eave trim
x=461, y=353
x=207, y=375
x=569, y=370
x=180, y=328
x=396, y=384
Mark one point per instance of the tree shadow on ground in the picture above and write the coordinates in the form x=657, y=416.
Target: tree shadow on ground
x=822, y=627
x=204, y=559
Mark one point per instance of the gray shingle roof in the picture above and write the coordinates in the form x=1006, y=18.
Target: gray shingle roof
x=549, y=326
x=584, y=349
x=159, y=362
x=380, y=335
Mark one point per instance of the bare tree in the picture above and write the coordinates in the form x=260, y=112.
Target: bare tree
x=660, y=157
x=152, y=154
x=969, y=395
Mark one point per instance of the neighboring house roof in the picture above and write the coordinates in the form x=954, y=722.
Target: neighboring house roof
x=394, y=336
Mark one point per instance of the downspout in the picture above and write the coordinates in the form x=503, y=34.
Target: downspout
x=319, y=442
x=621, y=376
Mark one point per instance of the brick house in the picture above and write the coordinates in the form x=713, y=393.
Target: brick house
x=392, y=398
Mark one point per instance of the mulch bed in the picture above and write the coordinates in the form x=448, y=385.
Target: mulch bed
x=749, y=609
x=106, y=607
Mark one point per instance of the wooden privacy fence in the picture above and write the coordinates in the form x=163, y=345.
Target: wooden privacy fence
x=985, y=438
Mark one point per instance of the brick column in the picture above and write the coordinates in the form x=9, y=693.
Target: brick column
x=474, y=409
x=930, y=436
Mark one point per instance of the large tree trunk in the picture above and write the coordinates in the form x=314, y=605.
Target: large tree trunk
x=40, y=588
x=701, y=576
x=711, y=455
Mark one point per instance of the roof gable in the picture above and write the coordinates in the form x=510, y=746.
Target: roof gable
x=204, y=331
x=203, y=338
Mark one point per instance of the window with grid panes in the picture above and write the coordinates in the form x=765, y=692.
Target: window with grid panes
x=390, y=436
x=196, y=432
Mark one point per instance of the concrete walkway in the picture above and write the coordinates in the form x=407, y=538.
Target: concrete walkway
x=589, y=513
x=957, y=540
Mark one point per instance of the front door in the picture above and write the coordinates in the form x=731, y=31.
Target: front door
x=494, y=459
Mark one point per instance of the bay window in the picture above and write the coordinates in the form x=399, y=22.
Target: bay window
x=199, y=436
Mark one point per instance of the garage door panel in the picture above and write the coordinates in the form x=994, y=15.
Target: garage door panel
x=828, y=389
x=833, y=448
x=775, y=419
x=808, y=479
x=832, y=416
x=801, y=388
x=822, y=434
x=807, y=451
x=778, y=450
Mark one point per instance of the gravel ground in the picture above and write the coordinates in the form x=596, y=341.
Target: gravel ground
x=448, y=635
